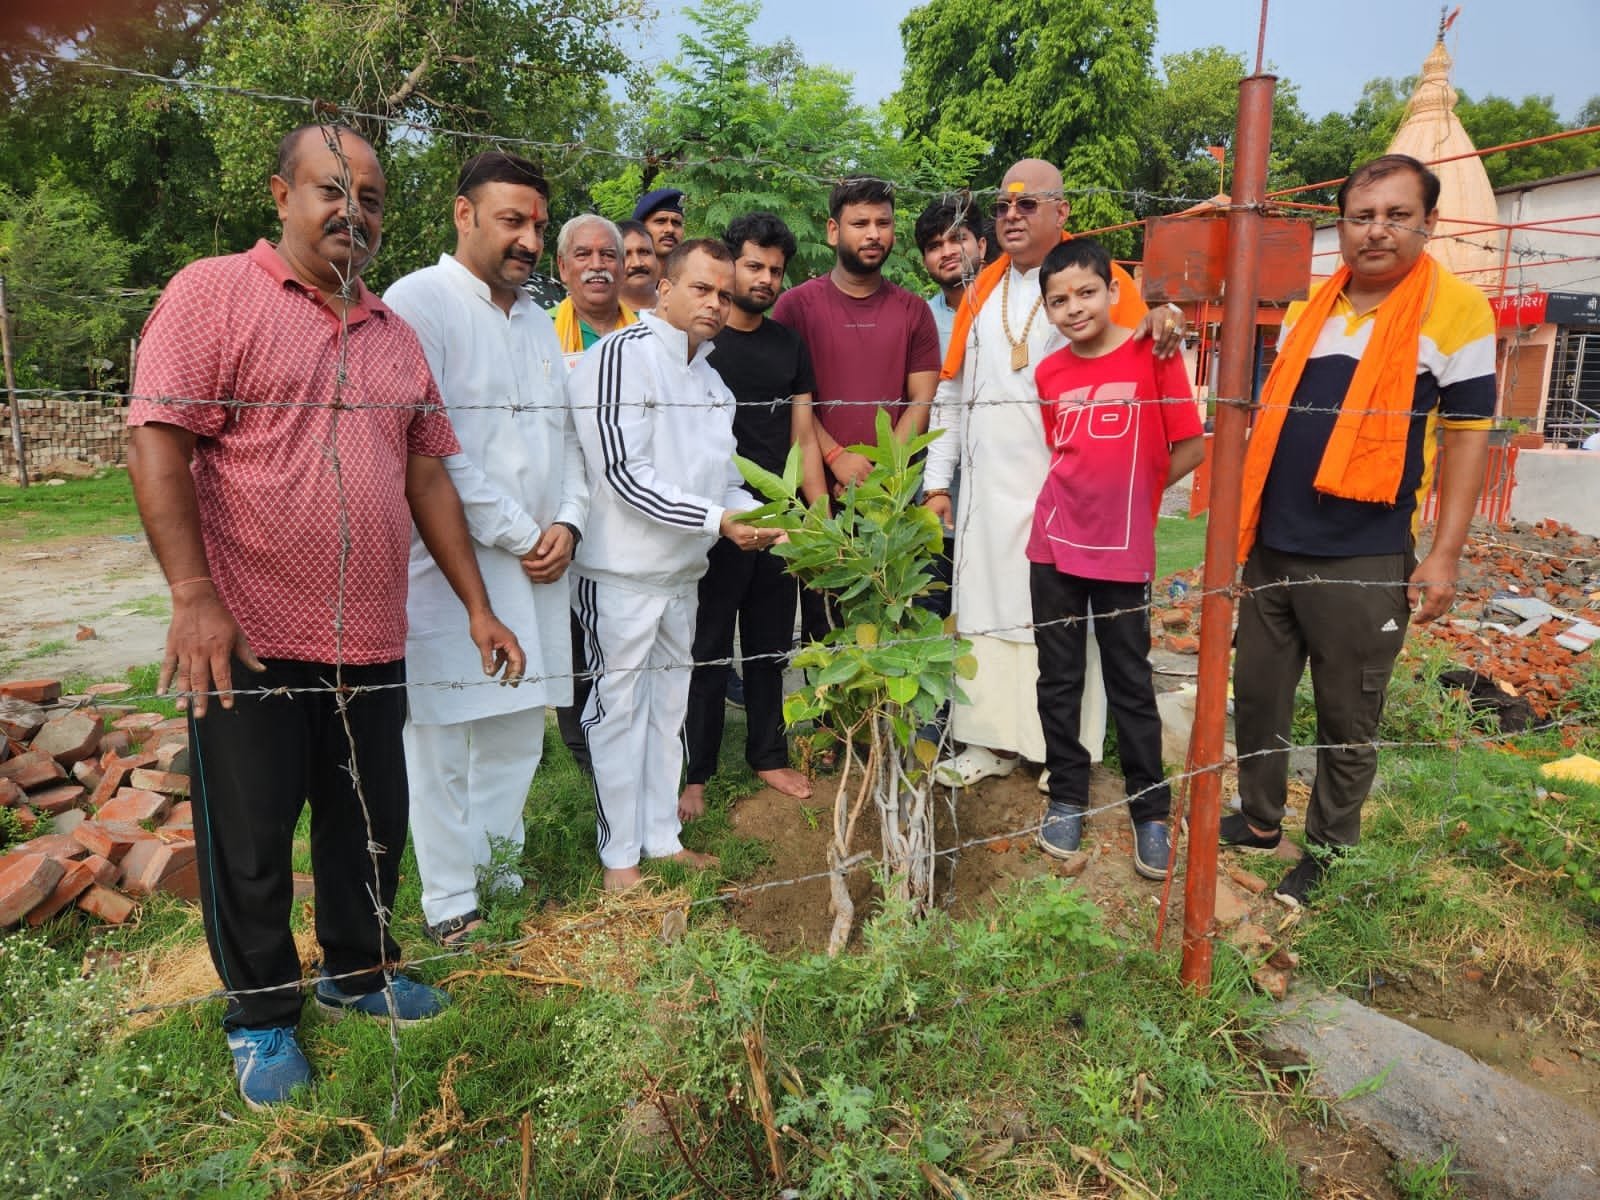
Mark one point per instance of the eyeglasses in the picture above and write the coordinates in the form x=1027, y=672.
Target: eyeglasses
x=1026, y=206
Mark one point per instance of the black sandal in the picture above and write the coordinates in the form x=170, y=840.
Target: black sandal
x=454, y=931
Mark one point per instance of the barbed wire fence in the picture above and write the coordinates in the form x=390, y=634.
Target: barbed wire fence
x=344, y=693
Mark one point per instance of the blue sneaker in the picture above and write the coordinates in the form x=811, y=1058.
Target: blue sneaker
x=1061, y=833
x=1151, y=849
x=269, y=1064
x=413, y=1001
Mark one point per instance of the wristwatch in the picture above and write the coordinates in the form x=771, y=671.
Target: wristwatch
x=577, y=534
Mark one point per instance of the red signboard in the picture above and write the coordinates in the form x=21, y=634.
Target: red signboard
x=1524, y=308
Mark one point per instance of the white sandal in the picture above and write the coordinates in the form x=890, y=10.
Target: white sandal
x=973, y=764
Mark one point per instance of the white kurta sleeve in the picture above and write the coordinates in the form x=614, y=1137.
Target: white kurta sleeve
x=945, y=453
x=493, y=518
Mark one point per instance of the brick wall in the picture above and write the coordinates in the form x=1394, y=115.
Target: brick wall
x=88, y=431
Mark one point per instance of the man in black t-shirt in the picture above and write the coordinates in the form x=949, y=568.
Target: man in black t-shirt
x=766, y=367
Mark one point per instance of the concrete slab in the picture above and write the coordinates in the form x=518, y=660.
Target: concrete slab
x=1511, y=1141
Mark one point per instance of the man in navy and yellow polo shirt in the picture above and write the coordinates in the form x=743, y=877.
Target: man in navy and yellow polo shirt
x=1389, y=351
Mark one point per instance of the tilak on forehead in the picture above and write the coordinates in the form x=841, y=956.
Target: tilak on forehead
x=1016, y=186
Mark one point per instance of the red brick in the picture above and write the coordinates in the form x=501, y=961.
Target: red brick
x=136, y=806
x=107, y=689
x=51, y=801
x=173, y=755
x=75, y=880
x=111, y=907
x=70, y=738
x=87, y=773
x=20, y=720
x=183, y=882
x=103, y=870
x=137, y=725
x=116, y=774
x=180, y=817
x=54, y=845
x=159, y=781
x=110, y=839
x=146, y=869
x=31, y=770
x=27, y=819
x=66, y=822
x=34, y=691
x=10, y=794
x=114, y=742
x=172, y=725
x=24, y=884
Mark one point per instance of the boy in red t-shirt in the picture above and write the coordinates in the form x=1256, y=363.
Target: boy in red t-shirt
x=1122, y=428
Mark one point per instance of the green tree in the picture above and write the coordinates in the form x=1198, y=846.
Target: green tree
x=1496, y=121
x=740, y=126
x=494, y=69
x=1064, y=80
x=63, y=270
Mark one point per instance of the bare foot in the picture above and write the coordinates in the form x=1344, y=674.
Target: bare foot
x=786, y=780
x=692, y=802
x=694, y=860
x=620, y=879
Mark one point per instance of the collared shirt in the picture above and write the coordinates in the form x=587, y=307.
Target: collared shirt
x=944, y=318
x=242, y=354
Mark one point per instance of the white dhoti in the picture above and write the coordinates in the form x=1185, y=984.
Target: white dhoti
x=639, y=643
x=469, y=785
x=993, y=430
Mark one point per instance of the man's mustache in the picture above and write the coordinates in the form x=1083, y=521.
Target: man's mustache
x=358, y=231
x=601, y=276
x=522, y=256
x=640, y=270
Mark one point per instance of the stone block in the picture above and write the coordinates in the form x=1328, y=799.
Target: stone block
x=76, y=879
x=149, y=865
x=58, y=799
x=66, y=822
x=71, y=738
x=32, y=769
x=110, y=906
x=110, y=839
x=20, y=720
x=114, y=742
x=135, y=806
x=165, y=782
x=25, y=883
x=34, y=691
x=55, y=845
x=87, y=773
x=103, y=870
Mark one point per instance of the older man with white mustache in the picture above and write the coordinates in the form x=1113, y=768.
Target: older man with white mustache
x=589, y=258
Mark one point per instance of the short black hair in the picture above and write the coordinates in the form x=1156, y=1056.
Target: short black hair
x=289, y=145
x=1076, y=252
x=765, y=229
x=1388, y=164
x=859, y=189
x=714, y=247
x=943, y=215
x=496, y=166
x=634, y=227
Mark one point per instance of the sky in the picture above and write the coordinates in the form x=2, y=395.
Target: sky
x=1328, y=50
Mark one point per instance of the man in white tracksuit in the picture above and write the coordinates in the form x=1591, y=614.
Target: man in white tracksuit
x=471, y=752
x=656, y=424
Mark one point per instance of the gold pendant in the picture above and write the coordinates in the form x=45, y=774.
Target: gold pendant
x=1019, y=356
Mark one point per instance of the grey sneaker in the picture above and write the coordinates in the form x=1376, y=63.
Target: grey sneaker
x=1151, y=849
x=1061, y=832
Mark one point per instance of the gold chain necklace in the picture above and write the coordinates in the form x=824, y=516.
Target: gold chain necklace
x=1019, y=346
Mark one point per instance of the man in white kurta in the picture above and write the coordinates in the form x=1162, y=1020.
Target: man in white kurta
x=988, y=406
x=472, y=751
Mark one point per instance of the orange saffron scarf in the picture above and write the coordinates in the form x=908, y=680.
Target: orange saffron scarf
x=1366, y=454
x=570, y=332
x=1128, y=311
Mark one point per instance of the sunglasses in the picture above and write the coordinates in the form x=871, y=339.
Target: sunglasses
x=1026, y=206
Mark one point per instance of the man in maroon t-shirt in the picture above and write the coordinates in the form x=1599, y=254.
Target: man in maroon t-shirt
x=873, y=346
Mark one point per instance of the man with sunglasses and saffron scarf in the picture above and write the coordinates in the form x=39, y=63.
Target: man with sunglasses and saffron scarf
x=1383, y=355
x=988, y=406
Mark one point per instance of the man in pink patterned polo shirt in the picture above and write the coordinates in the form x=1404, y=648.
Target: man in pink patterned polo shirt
x=286, y=432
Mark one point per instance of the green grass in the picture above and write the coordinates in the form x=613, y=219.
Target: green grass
x=1180, y=544
x=101, y=505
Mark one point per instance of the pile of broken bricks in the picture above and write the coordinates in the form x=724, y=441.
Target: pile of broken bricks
x=104, y=810
x=1527, y=610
